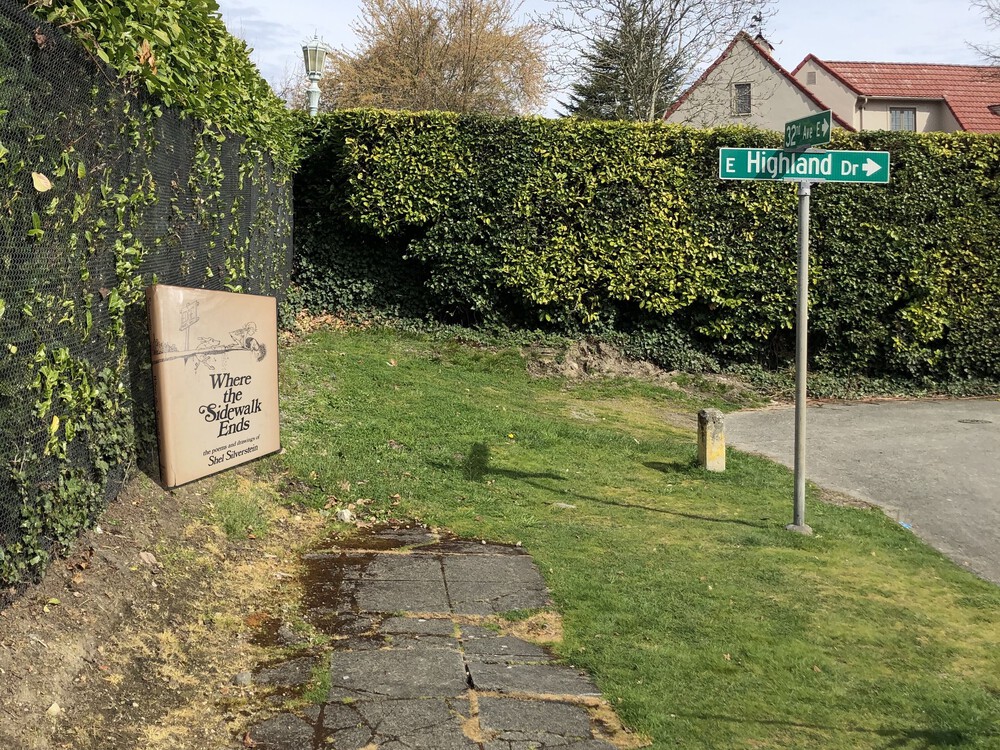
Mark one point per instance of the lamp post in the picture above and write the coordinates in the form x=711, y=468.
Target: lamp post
x=314, y=52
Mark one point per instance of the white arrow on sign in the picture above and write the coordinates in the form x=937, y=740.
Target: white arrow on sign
x=870, y=167
x=824, y=127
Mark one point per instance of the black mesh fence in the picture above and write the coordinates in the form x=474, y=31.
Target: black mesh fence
x=102, y=191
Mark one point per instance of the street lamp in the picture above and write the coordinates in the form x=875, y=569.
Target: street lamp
x=314, y=52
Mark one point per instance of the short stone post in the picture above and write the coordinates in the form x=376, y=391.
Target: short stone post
x=711, y=440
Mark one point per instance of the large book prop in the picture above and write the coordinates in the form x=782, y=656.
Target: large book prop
x=215, y=372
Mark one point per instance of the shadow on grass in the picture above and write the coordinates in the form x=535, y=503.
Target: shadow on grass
x=911, y=739
x=476, y=467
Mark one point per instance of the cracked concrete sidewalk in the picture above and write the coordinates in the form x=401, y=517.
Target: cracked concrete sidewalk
x=413, y=665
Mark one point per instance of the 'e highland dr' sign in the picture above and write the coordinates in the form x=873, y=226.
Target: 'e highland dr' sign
x=821, y=166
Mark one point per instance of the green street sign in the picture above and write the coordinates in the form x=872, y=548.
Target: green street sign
x=825, y=166
x=813, y=130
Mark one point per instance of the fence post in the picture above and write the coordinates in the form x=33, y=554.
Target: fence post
x=711, y=440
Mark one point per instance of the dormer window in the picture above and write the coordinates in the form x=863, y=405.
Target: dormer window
x=903, y=118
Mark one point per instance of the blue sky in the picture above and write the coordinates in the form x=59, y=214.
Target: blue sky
x=932, y=31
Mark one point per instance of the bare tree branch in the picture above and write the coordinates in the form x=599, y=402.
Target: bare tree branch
x=641, y=53
x=456, y=55
x=990, y=10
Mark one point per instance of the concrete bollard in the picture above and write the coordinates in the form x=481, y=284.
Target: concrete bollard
x=711, y=440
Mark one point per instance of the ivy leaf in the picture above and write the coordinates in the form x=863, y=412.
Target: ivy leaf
x=54, y=426
x=41, y=182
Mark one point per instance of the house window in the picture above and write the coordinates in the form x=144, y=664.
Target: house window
x=902, y=118
x=811, y=78
x=741, y=98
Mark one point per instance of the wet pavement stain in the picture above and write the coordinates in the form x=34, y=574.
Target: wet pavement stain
x=410, y=662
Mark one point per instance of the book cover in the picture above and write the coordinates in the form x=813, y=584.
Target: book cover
x=215, y=374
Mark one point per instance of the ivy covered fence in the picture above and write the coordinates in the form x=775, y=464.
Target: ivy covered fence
x=137, y=144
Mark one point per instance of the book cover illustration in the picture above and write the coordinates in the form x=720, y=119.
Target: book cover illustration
x=215, y=373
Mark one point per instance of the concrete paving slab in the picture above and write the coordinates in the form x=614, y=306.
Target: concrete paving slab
x=491, y=598
x=364, y=675
x=934, y=465
x=513, y=724
x=406, y=724
x=487, y=643
x=549, y=679
x=338, y=726
x=397, y=567
x=519, y=568
x=472, y=547
x=282, y=732
x=401, y=596
x=360, y=643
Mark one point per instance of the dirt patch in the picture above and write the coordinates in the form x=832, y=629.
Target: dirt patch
x=133, y=639
x=592, y=359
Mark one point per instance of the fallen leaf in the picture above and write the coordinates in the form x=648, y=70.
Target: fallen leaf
x=727, y=657
x=40, y=39
x=54, y=602
x=816, y=668
x=391, y=363
x=41, y=182
x=248, y=741
x=149, y=559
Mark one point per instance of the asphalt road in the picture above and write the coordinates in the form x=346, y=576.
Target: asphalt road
x=932, y=464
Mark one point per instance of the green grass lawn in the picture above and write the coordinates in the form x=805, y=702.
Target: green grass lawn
x=704, y=622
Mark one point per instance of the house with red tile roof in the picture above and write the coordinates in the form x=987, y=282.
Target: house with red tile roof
x=746, y=86
x=906, y=96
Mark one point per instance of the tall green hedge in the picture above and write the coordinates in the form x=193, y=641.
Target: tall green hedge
x=621, y=226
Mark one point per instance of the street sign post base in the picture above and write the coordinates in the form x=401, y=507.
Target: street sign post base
x=803, y=528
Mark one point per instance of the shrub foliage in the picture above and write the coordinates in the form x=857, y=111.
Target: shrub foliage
x=624, y=227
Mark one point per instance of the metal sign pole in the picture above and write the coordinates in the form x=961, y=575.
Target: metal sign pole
x=797, y=162
x=801, y=362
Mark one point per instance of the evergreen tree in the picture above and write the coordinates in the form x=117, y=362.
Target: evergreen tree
x=632, y=57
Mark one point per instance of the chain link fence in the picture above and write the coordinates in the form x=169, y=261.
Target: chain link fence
x=102, y=192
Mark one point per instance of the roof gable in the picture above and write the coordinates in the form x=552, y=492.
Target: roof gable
x=788, y=77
